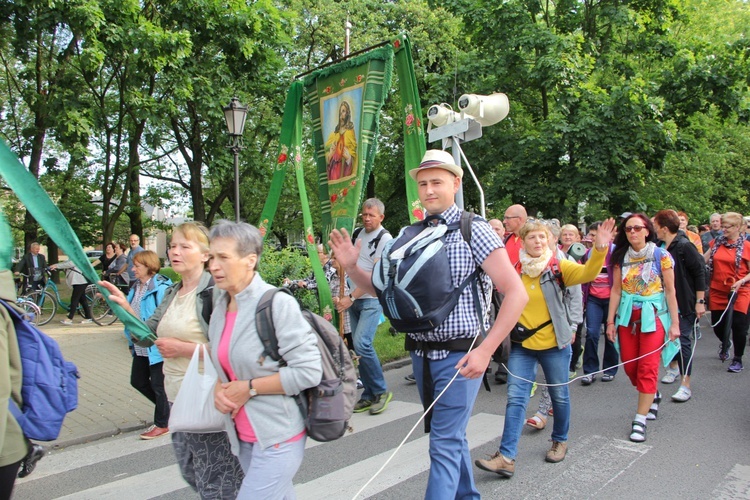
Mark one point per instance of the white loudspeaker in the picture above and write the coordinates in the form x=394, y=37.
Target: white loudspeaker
x=486, y=109
x=442, y=114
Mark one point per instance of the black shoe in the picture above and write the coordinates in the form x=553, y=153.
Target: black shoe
x=410, y=378
x=501, y=378
x=28, y=464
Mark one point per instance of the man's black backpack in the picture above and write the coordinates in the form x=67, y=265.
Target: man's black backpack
x=412, y=277
x=328, y=407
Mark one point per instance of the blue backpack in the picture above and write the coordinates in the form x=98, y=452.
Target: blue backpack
x=50, y=384
x=410, y=279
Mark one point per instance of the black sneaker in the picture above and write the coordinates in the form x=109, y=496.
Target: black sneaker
x=28, y=464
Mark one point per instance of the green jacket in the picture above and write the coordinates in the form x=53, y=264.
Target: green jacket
x=13, y=445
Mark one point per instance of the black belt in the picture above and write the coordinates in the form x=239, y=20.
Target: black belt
x=457, y=345
x=462, y=345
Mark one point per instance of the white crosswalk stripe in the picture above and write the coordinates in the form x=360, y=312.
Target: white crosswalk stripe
x=147, y=485
x=736, y=484
x=361, y=422
x=411, y=460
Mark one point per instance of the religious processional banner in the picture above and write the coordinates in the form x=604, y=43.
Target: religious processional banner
x=46, y=213
x=345, y=102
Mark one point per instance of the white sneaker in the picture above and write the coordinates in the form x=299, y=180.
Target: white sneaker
x=671, y=376
x=87, y=321
x=67, y=322
x=682, y=395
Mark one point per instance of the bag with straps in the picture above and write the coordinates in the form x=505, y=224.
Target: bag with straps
x=50, y=383
x=193, y=409
x=327, y=407
x=411, y=277
x=373, y=245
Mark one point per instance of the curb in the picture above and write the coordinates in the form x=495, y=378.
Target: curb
x=65, y=443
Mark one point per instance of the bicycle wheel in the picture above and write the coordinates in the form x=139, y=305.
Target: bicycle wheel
x=31, y=311
x=47, y=305
x=100, y=311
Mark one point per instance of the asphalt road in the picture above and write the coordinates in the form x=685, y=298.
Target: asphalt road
x=695, y=450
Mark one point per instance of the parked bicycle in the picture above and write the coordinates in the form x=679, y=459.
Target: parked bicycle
x=31, y=311
x=48, y=300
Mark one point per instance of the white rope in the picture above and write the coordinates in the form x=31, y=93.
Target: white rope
x=356, y=495
x=421, y=418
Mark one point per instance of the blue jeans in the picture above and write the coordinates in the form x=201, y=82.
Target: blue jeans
x=450, y=463
x=365, y=316
x=523, y=363
x=596, y=313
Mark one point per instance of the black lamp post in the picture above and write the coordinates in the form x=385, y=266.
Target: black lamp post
x=235, y=115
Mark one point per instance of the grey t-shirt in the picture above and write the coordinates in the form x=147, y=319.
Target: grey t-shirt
x=369, y=253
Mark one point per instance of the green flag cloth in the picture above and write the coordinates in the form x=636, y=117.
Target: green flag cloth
x=345, y=101
x=39, y=204
x=6, y=243
x=413, y=122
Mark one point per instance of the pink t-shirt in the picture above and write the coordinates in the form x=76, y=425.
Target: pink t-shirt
x=244, y=428
x=241, y=422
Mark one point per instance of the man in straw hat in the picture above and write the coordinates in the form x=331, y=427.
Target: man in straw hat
x=439, y=179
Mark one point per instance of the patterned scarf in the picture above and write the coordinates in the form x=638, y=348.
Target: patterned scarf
x=737, y=245
x=534, y=266
x=645, y=254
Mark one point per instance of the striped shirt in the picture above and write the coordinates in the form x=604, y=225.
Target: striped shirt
x=463, y=322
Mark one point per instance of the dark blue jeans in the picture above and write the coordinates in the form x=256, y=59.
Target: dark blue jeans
x=596, y=314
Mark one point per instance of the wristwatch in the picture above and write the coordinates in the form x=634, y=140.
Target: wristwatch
x=700, y=301
x=253, y=392
x=351, y=298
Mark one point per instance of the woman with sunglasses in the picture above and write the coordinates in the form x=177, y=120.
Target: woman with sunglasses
x=642, y=307
x=728, y=260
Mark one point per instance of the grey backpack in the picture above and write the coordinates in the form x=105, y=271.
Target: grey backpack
x=327, y=407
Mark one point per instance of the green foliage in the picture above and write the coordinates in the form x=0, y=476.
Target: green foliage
x=388, y=346
x=276, y=265
x=171, y=274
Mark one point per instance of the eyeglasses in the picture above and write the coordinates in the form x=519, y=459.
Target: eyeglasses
x=634, y=229
x=728, y=227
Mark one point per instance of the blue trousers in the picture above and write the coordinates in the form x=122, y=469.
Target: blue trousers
x=365, y=316
x=523, y=363
x=450, y=463
x=596, y=314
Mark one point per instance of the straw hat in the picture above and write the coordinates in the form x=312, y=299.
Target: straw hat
x=436, y=158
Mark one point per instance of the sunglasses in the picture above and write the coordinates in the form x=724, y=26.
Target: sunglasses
x=634, y=229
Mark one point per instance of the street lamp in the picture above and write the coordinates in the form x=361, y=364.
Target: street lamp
x=235, y=115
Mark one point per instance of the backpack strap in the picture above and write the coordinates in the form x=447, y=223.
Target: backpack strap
x=265, y=327
x=208, y=302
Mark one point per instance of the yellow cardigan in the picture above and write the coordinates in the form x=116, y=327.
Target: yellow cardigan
x=535, y=313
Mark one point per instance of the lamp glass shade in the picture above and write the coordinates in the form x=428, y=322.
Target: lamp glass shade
x=235, y=115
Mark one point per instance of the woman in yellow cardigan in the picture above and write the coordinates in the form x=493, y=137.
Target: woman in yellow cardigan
x=543, y=337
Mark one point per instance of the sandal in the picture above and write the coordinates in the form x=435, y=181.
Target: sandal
x=638, y=432
x=537, y=422
x=654, y=410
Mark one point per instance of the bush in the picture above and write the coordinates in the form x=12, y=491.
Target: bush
x=275, y=265
x=171, y=274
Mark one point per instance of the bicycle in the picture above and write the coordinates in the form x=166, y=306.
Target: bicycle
x=48, y=299
x=31, y=311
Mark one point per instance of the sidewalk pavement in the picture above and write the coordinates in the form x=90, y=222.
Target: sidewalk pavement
x=107, y=404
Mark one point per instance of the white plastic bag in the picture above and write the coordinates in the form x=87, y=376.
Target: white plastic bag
x=193, y=409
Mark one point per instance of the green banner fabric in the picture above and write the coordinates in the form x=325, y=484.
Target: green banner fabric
x=345, y=101
x=290, y=153
x=413, y=122
x=292, y=107
x=39, y=204
x=6, y=243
